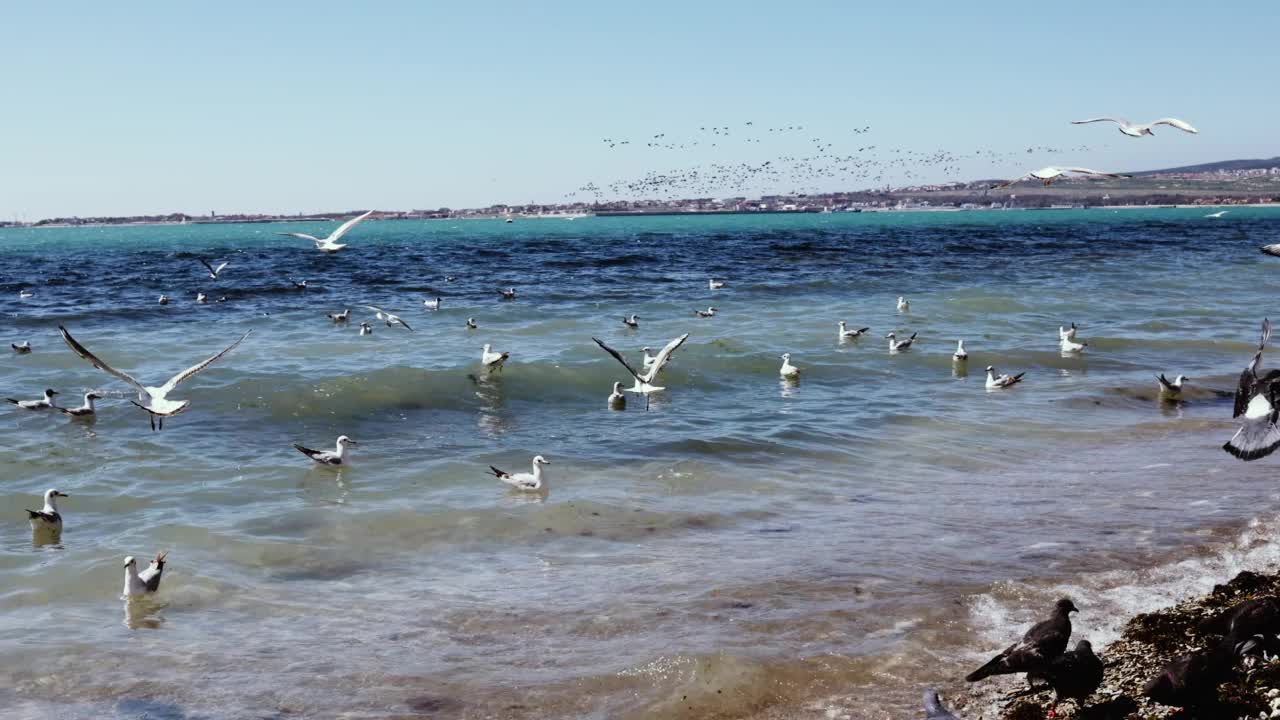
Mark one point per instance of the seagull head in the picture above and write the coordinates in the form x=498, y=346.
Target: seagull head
x=991, y=368
x=486, y=347
x=54, y=493
x=1180, y=379
x=539, y=460
x=892, y=336
x=92, y=396
x=344, y=441
x=646, y=349
x=50, y=392
x=1065, y=606
x=129, y=562
x=786, y=356
x=617, y=387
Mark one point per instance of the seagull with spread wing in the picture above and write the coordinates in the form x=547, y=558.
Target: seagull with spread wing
x=1139, y=129
x=214, y=272
x=1048, y=175
x=644, y=381
x=391, y=319
x=330, y=244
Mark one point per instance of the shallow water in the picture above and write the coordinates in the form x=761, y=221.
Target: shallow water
x=743, y=546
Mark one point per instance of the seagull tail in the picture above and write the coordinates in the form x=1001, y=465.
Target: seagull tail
x=304, y=450
x=499, y=473
x=15, y=402
x=1254, y=441
x=32, y=514
x=160, y=556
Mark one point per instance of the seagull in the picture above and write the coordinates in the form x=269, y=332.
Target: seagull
x=617, y=401
x=1218, y=214
x=649, y=360
x=330, y=244
x=903, y=305
x=214, y=271
x=366, y=329
x=337, y=456
x=847, y=334
x=471, y=324
x=340, y=317
x=155, y=400
x=1045, y=641
x=298, y=284
x=391, y=319
x=644, y=381
x=1140, y=129
x=1258, y=402
x=1067, y=345
x=714, y=284
x=25, y=294
x=201, y=298
x=632, y=322
x=492, y=360
x=1171, y=390
x=709, y=312
x=1048, y=174
x=1065, y=334
x=45, y=403
x=22, y=348
x=508, y=294
x=1273, y=249
x=449, y=278
x=47, y=519
x=164, y=299
x=145, y=582
x=997, y=382
x=528, y=482
x=960, y=355
x=788, y=371
x=896, y=345
x=934, y=709
x=85, y=411
x=432, y=304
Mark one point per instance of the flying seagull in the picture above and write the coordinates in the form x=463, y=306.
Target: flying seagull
x=644, y=381
x=1171, y=389
x=1045, y=641
x=1048, y=175
x=1273, y=249
x=896, y=345
x=155, y=400
x=45, y=403
x=201, y=298
x=330, y=244
x=47, y=519
x=21, y=348
x=527, y=482
x=391, y=319
x=847, y=334
x=145, y=582
x=1140, y=129
x=214, y=272
x=85, y=411
x=1258, y=402
x=998, y=382
x=337, y=456
x=934, y=709
x=1218, y=214
x=788, y=371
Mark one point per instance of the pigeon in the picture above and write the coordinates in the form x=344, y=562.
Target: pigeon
x=1045, y=641
x=934, y=709
x=22, y=348
x=145, y=582
x=1251, y=618
x=1258, y=401
x=1192, y=680
x=1074, y=675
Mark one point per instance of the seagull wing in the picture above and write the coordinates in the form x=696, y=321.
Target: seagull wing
x=375, y=309
x=304, y=236
x=209, y=267
x=618, y=356
x=1175, y=122
x=1121, y=121
x=1087, y=171
x=220, y=268
x=402, y=322
x=1164, y=383
x=186, y=374
x=83, y=352
x=346, y=226
x=1018, y=179
x=317, y=455
x=1271, y=249
x=662, y=358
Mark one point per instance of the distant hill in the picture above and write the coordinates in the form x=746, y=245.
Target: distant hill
x=1216, y=166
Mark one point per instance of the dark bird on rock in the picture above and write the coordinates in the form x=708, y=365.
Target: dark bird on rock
x=934, y=709
x=1045, y=641
x=1256, y=617
x=1192, y=680
x=1074, y=675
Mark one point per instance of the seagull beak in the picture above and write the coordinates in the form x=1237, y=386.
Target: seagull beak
x=352, y=442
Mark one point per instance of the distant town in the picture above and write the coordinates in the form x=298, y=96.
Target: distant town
x=1235, y=182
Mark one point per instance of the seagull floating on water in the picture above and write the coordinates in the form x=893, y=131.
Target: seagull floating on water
x=298, y=284
x=214, y=272
x=337, y=456
x=492, y=360
x=649, y=360
x=846, y=334
x=509, y=294
x=896, y=345
x=471, y=324
x=788, y=371
x=432, y=304
x=201, y=298
x=714, y=284
x=903, y=304
x=1218, y=214
x=527, y=482
x=709, y=312
x=632, y=322
x=85, y=411
x=1258, y=403
x=330, y=244
x=644, y=381
x=45, y=403
x=47, y=519
x=366, y=329
x=1067, y=334
x=155, y=400
x=960, y=355
x=998, y=382
x=145, y=582
x=21, y=348
x=163, y=300
x=1048, y=175
x=1067, y=345
x=1171, y=389
x=391, y=319
x=617, y=401
x=341, y=317
x=25, y=294
x=1139, y=129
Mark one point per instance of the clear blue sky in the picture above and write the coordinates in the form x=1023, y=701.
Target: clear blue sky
x=288, y=106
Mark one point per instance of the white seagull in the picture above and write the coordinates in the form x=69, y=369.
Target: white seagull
x=617, y=401
x=492, y=360
x=45, y=403
x=201, y=298
x=709, y=312
x=85, y=411
x=164, y=299
x=788, y=371
x=1067, y=333
x=1218, y=214
x=298, y=284
x=155, y=400
x=960, y=355
x=644, y=381
x=25, y=294
x=1067, y=345
x=847, y=334
x=714, y=284
x=366, y=329
x=471, y=324
x=340, y=317
x=391, y=319
x=432, y=304
x=649, y=360
x=337, y=456
x=997, y=382
x=1048, y=175
x=330, y=244
x=214, y=272
x=632, y=322
x=1140, y=129
x=508, y=294
x=21, y=348
x=47, y=519
x=896, y=345
x=145, y=582
x=528, y=482
x=903, y=305
x=1273, y=249
x=1171, y=389
x=1257, y=403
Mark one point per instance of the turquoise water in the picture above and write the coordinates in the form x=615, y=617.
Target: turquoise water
x=743, y=546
